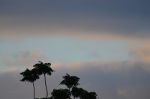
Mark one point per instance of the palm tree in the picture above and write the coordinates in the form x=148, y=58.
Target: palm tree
x=70, y=81
x=44, y=68
x=30, y=76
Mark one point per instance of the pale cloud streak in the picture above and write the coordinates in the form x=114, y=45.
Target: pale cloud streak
x=20, y=61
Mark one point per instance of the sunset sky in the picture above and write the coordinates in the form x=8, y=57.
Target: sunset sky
x=104, y=42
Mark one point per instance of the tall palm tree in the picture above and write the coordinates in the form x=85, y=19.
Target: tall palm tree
x=30, y=76
x=70, y=81
x=44, y=68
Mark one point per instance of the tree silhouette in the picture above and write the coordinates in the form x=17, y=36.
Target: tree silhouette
x=92, y=95
x=70, y=81
x=84, y=94
x=30, y=76
x=44, y=68
x=61, y=94
x=75, y=92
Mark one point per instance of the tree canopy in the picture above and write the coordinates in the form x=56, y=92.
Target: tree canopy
x=71, y=83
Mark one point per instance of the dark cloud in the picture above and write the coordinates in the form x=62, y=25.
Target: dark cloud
x=96, y=7
x=129, y=17
x=128, y=82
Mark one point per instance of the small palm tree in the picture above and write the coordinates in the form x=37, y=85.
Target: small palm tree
x=44, y=68
x=30, y=76
x=70, y=81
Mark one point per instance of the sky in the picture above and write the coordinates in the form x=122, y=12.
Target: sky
x=104, y=42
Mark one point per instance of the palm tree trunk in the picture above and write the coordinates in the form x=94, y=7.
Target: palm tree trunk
x=33, y=91
x=46, y=86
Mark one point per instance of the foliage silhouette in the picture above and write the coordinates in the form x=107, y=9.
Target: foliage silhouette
x=75, y=92
x=44, y=68
x=87, y=95
x=70, y=81
x=61, y=94
x=30, y=76
x=92, y=95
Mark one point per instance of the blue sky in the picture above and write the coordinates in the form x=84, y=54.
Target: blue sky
x=68, y=50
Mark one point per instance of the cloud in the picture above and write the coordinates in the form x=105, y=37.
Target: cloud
x=128, y=18
x=107, y=66
x=122, y=92
x=143, y=52
x=96, y=20
x=21, y=60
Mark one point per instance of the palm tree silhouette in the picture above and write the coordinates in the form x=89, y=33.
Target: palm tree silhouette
x=30, y=76
x=44, y=68
x=70, y=81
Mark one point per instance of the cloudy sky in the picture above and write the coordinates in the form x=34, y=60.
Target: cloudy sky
x=104, y=42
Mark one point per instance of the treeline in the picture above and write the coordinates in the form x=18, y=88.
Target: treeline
x=71, y=82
